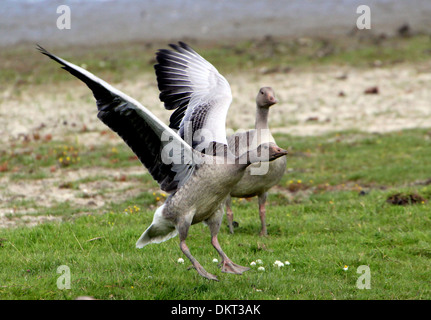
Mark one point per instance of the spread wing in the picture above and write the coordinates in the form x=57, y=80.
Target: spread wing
x=161, y=150
x=197, y=92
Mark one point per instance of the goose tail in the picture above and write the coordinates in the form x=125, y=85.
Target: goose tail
x=159, y=231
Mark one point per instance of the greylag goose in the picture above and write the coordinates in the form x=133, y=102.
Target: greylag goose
x=255, y=184
x=198, y=183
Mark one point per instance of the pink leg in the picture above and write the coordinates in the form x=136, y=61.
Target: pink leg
x=183, y=229
x=262, y=213
x=195, y=263
x=229, y=214
x=227, y=265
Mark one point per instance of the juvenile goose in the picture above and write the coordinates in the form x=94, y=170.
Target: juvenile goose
x=255, y=183
x=198, y=182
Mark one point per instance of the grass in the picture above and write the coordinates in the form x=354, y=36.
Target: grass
x=353, y=157
x=36, y=158
x=329, y=211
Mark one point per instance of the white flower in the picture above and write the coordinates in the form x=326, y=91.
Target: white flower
x=278, y=263
x=215, y=260
x=286, y=263
x=180, y=260
x=346, y=267
x=261, y=269
x=258, y=261
x=252, y=263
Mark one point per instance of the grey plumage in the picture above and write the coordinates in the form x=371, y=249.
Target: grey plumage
x=199, y=182
x=252, y=185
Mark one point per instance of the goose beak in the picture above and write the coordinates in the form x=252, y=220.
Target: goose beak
x=273, y=100
x=283, y=152
x=279, y=152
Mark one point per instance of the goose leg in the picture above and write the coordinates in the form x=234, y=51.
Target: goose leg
x=227, y=265
x=183, y=231
x=229, y=214
x=262, y=213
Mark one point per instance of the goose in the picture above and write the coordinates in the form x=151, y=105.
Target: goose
x=252, y=185
x=198, y=182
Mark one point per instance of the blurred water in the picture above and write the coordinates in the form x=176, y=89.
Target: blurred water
x=102, y=21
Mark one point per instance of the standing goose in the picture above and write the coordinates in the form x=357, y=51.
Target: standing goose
x=198, y=182
x=256, y=184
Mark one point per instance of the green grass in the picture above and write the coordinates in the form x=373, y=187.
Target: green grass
x=353, y=157
x=35, y=158
x=329, y=211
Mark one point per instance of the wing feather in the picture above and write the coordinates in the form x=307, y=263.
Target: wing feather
x=142, y=131
x=194, y=88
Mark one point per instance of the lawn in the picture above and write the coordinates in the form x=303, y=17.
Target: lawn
x=332, y=213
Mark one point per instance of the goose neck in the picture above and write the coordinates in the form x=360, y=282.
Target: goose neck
x=261, y=118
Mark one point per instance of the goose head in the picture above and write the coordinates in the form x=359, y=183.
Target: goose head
x=265, y=97
x=274, y=151
x=265, y=152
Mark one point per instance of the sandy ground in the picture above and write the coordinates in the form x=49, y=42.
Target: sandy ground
x=310, y=103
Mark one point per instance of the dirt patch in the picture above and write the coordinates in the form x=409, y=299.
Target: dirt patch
x=402, y=199
x=29, y=202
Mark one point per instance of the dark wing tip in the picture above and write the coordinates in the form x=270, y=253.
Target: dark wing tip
x=174, y=46
x=186, y=47
x=182, y=47
x=48, y=54
x=41, y=49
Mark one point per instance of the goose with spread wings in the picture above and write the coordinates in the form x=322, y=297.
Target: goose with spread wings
x=198, y=181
